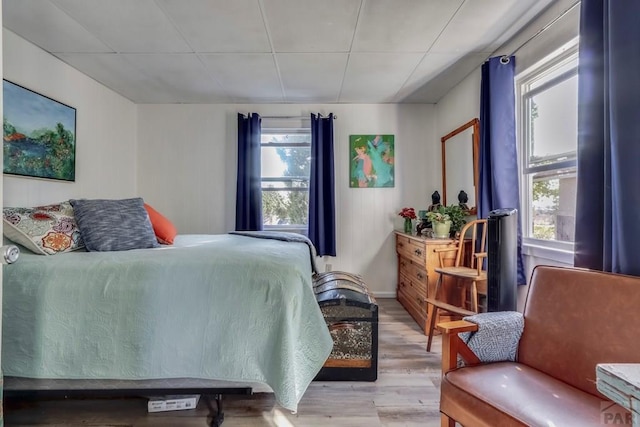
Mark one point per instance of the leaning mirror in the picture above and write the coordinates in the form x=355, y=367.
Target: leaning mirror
x=460, y=165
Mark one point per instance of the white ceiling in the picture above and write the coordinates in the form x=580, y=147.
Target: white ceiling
x=272, y=51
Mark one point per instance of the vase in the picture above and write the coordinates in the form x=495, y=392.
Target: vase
x=408, y=225
x=441, y=229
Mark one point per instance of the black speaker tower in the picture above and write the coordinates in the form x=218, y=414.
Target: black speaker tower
x=502, y=264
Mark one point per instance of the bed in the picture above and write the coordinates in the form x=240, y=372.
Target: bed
x=228, y=308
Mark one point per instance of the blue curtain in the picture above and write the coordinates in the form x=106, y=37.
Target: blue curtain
x=499, y=177
x=322, y=205
x=248, y=192
x=607, y=226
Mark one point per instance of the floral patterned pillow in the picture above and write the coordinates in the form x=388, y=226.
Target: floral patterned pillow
x=44, y=230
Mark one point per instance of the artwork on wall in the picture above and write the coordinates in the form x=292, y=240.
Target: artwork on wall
x=39, y=135
x=371, y=161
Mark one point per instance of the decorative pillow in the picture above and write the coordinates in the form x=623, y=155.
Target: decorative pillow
x=164, y=229
x=114, y=225
x=44, y=230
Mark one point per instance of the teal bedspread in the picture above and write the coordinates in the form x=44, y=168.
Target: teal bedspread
x=224, y=307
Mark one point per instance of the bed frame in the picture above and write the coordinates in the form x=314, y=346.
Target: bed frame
x=33, y=389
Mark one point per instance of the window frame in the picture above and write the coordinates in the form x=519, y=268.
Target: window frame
x=300, y=129
x=563, y=251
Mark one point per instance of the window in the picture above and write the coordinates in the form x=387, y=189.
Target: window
x=286, y=163
x=548, y=127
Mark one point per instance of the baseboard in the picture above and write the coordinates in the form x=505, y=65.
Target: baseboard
x=391, y=294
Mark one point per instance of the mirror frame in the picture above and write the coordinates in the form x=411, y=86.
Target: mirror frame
x=475, y=146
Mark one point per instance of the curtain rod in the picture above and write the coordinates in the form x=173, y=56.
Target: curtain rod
x=505, y=58
x=291, y=117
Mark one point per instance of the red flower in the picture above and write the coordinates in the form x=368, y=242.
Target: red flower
x=408, y=213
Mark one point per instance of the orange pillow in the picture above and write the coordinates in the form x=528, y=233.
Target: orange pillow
x=163, y=228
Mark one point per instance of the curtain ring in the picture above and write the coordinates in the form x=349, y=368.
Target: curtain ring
x=504, y=59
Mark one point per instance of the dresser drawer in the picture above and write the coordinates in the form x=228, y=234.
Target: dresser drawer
x=408, y=302
x=417, y=273
x=412, y=249
x=414, y=290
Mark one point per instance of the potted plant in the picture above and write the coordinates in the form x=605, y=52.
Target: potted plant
x=446, y=221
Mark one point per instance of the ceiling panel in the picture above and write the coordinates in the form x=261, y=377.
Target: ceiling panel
x=47, y=26
x=115, y=72
x=448, y=78
x=183, y=76
x=312, y=77
x=377, y=77
x=312, y=26
x=246, y=76
x=253, y=51
x=431, y=65
x=127, y=26
x=402, y=25
x=219, y=25
x=482, y=25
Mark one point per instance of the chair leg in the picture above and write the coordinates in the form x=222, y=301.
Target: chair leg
x=474, y=296
x=446, y=421
x=432, y=325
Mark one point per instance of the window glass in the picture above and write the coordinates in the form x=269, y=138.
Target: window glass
x=553, y=118
x=286, y=164
x=548, y=136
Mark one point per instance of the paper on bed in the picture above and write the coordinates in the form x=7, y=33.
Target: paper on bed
x=220, y=307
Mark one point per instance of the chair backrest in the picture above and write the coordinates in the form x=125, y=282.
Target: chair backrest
x=576, y=318
x=474, y=233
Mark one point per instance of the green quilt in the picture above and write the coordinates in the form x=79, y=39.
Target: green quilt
x=221, y=307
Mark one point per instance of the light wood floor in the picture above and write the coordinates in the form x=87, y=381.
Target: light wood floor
x=405, y=394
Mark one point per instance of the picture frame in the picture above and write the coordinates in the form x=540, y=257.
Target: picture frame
x=39, y=135
x=371, y=161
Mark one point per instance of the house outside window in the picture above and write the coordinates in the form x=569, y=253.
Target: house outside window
x=286, y=163
x=547, y=105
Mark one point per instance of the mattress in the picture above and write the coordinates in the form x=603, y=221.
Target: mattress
x=216, y=307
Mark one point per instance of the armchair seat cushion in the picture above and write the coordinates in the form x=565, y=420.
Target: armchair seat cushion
x=513, y=394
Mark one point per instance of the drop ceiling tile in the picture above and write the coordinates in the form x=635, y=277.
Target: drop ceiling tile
x=127, y=26
x=47, y=26
x=306, y=26
x=402, y=25
x=183, y=77
x=447, y=79
x=481, y=26
x=377, y=77
x=219, y=25
x=118, y=74
x=312, y=77
x=246, y=76
x=431, y=65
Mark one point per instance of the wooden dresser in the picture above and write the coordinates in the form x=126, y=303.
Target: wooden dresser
x=416, y=272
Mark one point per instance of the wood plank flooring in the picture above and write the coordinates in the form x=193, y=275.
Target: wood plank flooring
x=405, y=394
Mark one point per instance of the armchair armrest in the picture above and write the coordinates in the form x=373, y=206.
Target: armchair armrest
x=438, y=250
x=474, y=338
x=452, y=345
x=480, y=256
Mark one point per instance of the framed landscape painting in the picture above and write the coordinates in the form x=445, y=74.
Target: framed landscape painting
x=39, y=135
x=371, y=161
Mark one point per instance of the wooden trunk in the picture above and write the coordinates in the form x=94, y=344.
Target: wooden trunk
x=351, y=314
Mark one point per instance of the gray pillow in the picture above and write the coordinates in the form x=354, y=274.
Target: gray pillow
x=114, y=225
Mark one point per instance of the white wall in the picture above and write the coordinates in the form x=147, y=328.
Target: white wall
x=187, y=170
x=462, y=103
x=105, y=129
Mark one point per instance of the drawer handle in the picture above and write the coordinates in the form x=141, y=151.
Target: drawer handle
x=400, y=245
x=420, y=300
x=418, y=252
x=403, y=264
x=402, y=284
x=420, y=276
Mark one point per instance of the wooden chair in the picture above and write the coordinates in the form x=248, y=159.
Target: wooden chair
x=475, y=241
